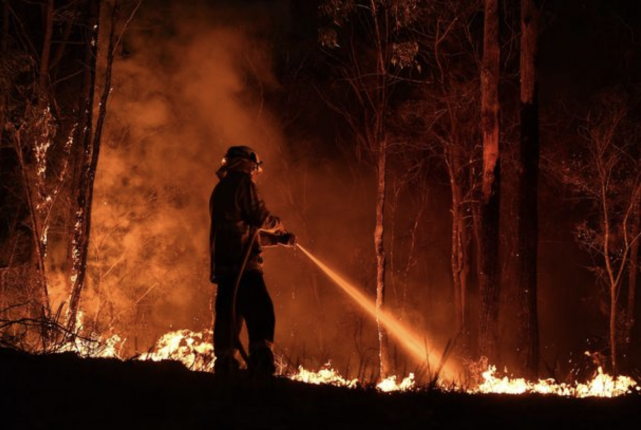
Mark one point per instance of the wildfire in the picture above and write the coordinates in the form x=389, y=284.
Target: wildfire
x=91, y=344
x=601, y=385
x=195, y=351
x=326, y=375
x=390, y=384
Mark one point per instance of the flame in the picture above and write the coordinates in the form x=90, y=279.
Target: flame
x=91, y=345
x=389, y=384
x=601, y=385
x=326, y=375
x=195, y=351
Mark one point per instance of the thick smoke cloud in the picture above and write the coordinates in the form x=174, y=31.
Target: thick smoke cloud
x=180, y=98
x=189, y=82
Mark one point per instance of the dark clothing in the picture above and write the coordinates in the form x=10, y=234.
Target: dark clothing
x=236, y=211
x=237, y=214
x=253, y=305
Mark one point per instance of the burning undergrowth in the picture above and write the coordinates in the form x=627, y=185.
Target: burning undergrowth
x=194, y=351
x=173, y=386
x=64, y=390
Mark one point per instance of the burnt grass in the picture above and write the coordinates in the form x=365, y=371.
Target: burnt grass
x=65, y=391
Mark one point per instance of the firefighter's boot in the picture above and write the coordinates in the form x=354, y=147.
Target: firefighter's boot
x=227, y=364
x=261, y=361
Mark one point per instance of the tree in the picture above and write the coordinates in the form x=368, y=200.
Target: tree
x=370, y=66
x=441, y=119
x=489, y=287
x=37, y=115
x=606, y=172
x=454, y=100
x=527, y=194
x=86, y=158
x=48, y=104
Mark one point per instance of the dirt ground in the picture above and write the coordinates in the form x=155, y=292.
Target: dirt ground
x=65, y=391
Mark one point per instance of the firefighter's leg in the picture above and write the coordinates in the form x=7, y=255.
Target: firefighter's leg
x=225, y=333
x=258, y=310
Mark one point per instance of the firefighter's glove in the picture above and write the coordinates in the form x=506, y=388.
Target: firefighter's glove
x=287, y=239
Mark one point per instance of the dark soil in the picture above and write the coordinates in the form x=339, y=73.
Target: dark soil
x=65, y=391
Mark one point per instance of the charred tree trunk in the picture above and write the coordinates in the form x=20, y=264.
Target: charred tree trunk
x=527, y=229
x=489, y=287
x=384, y=355
x=86, y=170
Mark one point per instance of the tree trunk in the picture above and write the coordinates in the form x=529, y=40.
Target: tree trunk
x=527, y=229
x=38, y=253
x=610, y=270
x=85, y=173
x=489, y=287
x=459, y=255
x=385, y=366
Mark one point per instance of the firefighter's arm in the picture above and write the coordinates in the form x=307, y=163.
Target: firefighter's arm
x=272, y=230
x=257, y=213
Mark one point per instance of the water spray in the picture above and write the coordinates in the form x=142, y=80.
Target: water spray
x=407, y=338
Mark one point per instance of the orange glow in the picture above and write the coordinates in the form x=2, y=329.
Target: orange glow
x=390, y=384
x=325, y=375
x=408, y=339
x=195, y=351
x=601, y=385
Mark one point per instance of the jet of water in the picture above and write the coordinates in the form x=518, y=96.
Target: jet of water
x=407, y=338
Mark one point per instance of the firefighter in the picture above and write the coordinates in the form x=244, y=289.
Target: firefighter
x=241, y=226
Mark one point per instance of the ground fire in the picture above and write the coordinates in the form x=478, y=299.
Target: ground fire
x=194, y=351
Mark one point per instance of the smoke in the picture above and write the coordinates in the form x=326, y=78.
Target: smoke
x=189, y=83
x=184, y=90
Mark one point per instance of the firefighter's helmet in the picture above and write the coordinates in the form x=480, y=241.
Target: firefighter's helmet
x=243, y=152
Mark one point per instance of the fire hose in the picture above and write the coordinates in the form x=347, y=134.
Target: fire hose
x=235, y=340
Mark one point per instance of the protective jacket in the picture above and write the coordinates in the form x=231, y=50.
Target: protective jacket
x=237, y=213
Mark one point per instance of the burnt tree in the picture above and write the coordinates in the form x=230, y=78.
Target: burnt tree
x=84, y=167
x=89, y=135
x=488, y=240
x=50, y=146
x=41, y=43
x=527, y=194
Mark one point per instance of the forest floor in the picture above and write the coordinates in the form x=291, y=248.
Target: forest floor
x=66, y=391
